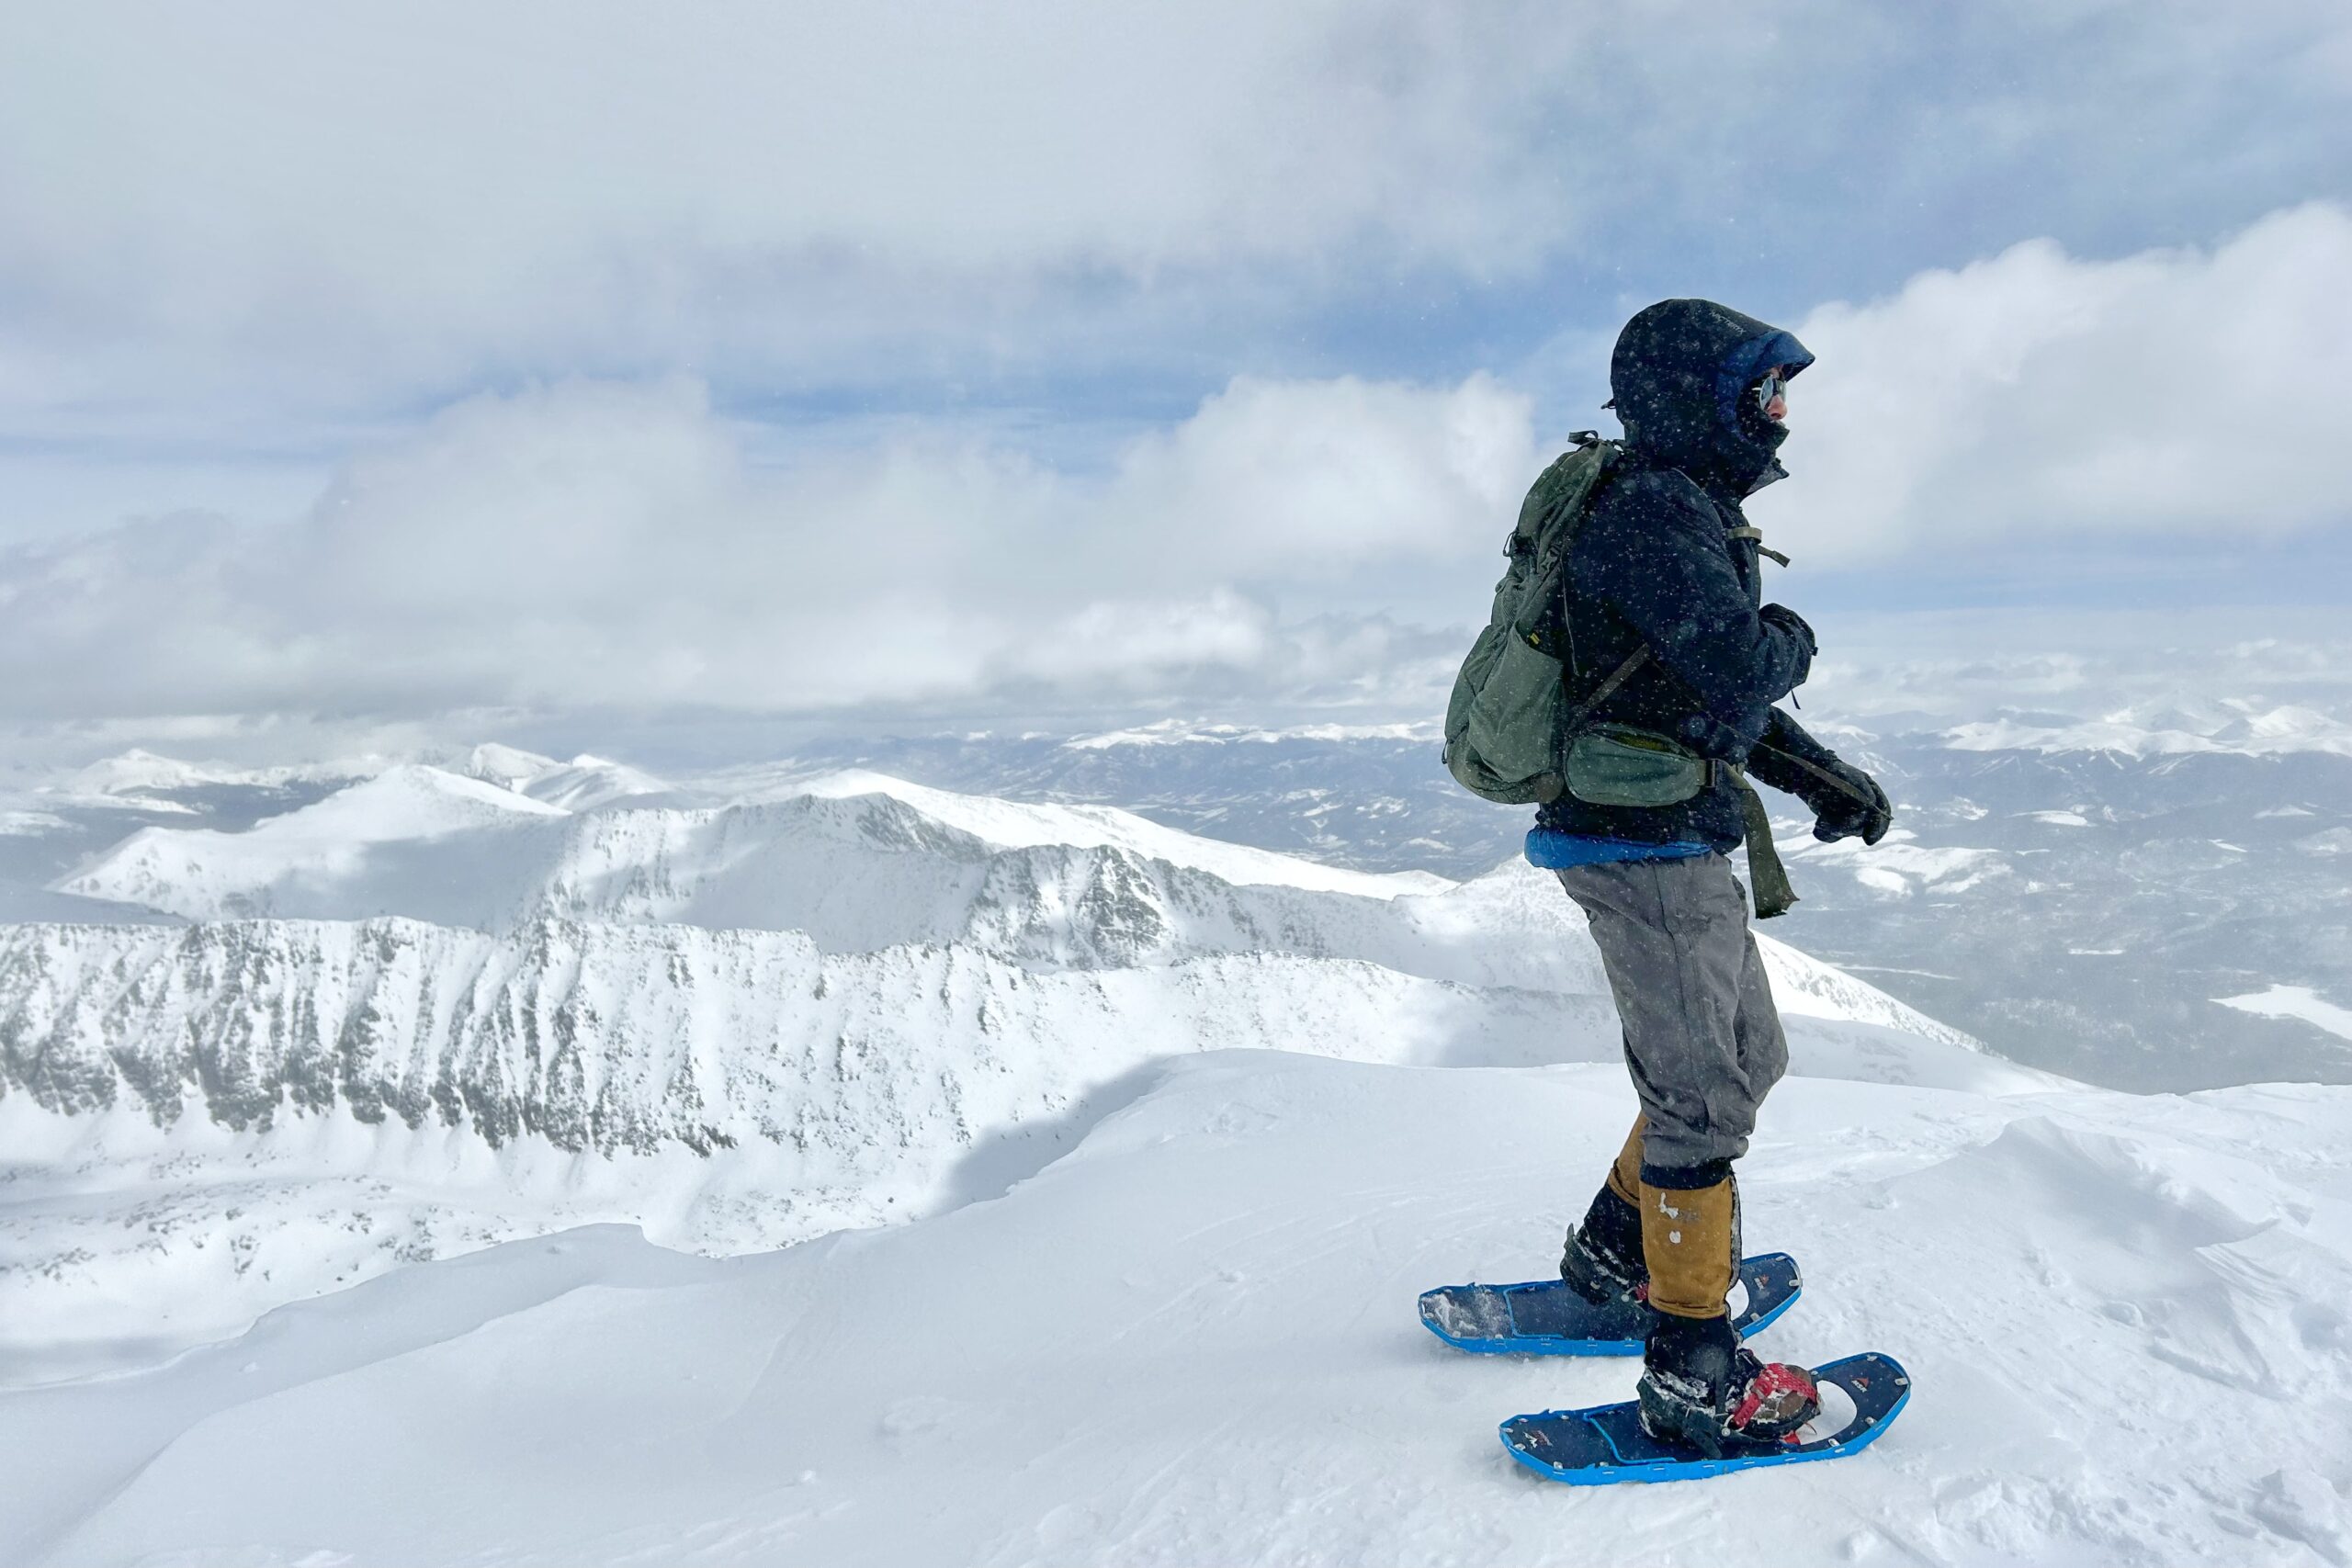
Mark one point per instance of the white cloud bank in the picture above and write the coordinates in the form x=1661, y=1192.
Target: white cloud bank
x=273, y=199
x=611, y=544
x=229, y=221
x=599, y=544
x=2038, y=396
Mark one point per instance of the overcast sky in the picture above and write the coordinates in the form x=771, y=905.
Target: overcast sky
x=961, y=362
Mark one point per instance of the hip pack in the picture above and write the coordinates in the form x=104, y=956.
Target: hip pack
x=1618, y=764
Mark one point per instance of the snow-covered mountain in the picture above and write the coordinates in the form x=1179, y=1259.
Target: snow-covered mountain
x=143, y=774
x=2171, y=728
x=446, y=847
x=2087, y=909
x=2078, y=889
x=1117, y=1157
x=342, y=848
x=466, y=1014
x=582, y=784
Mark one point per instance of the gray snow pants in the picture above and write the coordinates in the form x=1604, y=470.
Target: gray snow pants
x=1703, y=1037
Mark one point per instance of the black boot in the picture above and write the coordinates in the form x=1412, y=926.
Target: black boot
x=1701, y=1390
x=1603, y=1257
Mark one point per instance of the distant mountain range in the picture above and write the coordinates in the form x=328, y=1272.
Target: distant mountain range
x=2083, y=892
x=2079, y=893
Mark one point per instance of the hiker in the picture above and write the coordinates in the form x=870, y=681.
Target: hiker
x=1670, y=655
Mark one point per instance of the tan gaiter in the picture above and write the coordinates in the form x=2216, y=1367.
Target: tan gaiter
x=1625, y=1175
x=1687, y=1240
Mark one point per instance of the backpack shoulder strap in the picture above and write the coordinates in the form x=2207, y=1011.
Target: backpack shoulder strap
x=1553, y=511
x=1606, y=689
x=1562, y=490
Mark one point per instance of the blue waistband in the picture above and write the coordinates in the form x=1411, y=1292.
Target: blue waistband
x=1555, y=850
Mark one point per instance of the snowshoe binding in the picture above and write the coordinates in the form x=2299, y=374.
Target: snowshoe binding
x=1701, y=1388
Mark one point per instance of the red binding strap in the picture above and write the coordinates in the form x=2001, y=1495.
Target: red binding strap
x=1776, y=1379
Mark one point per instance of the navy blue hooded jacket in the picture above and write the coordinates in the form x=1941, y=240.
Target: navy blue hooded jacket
x=1657, y=561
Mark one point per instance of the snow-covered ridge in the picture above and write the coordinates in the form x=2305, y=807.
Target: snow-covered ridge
x=858, y=858
x=862, y=863
x=609, y=1037
x=1020, y=825
x=345, y=849
x=144, y=772
x=834, y=1008
x=2242, y=728
x=1198, y=732
x=582, y=784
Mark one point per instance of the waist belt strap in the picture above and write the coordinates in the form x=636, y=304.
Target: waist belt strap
x=1768, y=878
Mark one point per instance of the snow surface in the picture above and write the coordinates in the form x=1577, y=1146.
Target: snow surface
x=1897, y=864
x=2295, y=1001
x=1115, y=1159
x=1191, y=1340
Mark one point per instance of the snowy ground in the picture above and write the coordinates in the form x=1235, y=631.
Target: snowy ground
x=1125, y=1155
x=1192, y=1340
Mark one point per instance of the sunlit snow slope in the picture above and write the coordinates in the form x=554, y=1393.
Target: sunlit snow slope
x=1192, y=1341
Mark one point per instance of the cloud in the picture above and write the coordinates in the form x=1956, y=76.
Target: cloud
x=2037, y=400
x=234, y=222
x=372, y=201
x=611, y=544
x=1319, y=478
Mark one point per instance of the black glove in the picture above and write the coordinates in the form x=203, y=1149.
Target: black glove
x=1789, y=621
x=1852, y=804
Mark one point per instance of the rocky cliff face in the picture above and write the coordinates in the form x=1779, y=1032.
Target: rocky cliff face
x=606, y=1037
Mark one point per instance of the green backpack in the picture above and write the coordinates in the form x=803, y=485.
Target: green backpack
x=1508, y=721
x=1511, y=735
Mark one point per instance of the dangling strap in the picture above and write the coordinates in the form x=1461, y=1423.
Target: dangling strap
x=1761, y=547
x=1824, y=774
x=1768, y=876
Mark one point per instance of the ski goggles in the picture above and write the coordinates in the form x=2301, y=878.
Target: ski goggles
x=1775, y=384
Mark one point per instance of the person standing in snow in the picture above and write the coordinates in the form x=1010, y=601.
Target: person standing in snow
x=1665, y=561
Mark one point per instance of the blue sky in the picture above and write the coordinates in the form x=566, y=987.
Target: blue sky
x=480, y=360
